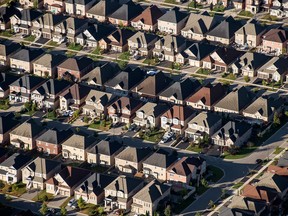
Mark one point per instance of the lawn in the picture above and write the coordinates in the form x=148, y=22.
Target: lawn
x=194, y=148
x=74, y=46
x=193, y=6
x=219, y=8
x=4, y=104
x=30, y=38
x=278, y=150
x=246, y=13
x=97, y=54
x=51, y=115
x=171, y=1
x=101, y=125
x=70, y=54
x=230, y=76
x=52, y=43
x=237, y=185
x=153, y=136
x=243, y=152
x=217, y=173
x=42, y=195
x=184, y=204
x=203, y=71
x=124, y=56
x=89, y=208
x=6, y=34
x=30, y=113
x=16, y=189
x=270, y=17
x=151, y=61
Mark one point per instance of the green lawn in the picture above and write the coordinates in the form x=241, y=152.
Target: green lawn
x=101, y=125
x=153, y=136
x=124, y=56
x=70, y=54
x=194, y=148
x=203, y=71
x=219, y=8
x=30, y=38
x=6, y=34
x=4, y=104
x=51, y=115
x=230, y=76
x=217, y=173
x=193, y=6
x=270, y=17
x=74, y=46
x=237, y=185
x=278, y=150
x=89, y=208
x=151, y=61
x=97, y=51
x=243, y=152
x=16, y=189
x=246, y=13
x=52, y=43
x=41, y=196
x=184, y=204
x=171, y=1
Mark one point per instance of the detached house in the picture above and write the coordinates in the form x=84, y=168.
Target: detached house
x=279, y=8
x=5, y=14
x=78, y=7
x=102, y=10
x=7, y=124
x=74, y=26
x=31, y=4
x=177, y=118
x=7, y=49
x=60, y=31
x=232, y=134
x=54, y=6
x=147, y=20
x=275, y=41
x=65, y=182
x=36, y=173
x=5, y=81
x=173, y=21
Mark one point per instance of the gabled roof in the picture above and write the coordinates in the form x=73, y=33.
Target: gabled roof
x=149, y=16
x=7, y=122
x=127, y=11
x=185, y=165
x=153, y=109
x=282, y=171
x=119, y=37
x=206, y=119
x=259, y=193
x=28, y=82
x=126, y=102
x=80, y=141
x=75, y=23
x=251, y=205
x=50, y=60
x=283, y=160
x=27, y=55
x=170, y=43
x=174, y=15
x=276, y=35
x=273, y=181
x=55, y=136
x=76, y=64
x=182, y=90
x=98, y=96
x=106, y=147
x=29, y=129
x=76, y=92
x=43, y=165
x=53, y=87
x=125, y=184
x=251, y=28
x=96, y=32
x=275, y=65
x=52, y=19
x=16, y=161
x=29, y=14
x=198, y=51
x=143, y=38
x=179, y=112
x=133, y=154
x=104, y=8
x=8, y=47
x=159, y=159
x=252, y=60
x=7, y=12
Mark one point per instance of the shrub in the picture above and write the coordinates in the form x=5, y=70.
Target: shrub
x=246, y=78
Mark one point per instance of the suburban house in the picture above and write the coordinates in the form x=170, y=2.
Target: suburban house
x=125, y=14
x=142, y=44
x=130, y=160
x=7, y=124
x=263, y=109
x=179, y=91
x=119, y=193
x=149, y=114
x=10, y=169
x=275, y=41
x=147, y=20
x=47, y=95
x=59, y=32
x=24, y=58
x=176, y=118
x=186, y=169
x=249, y=63
x=54, y=6
x=46, y=65
x=104, y=152
x=78, y=7
x=167, y=47
x=5, y=14
x=96, y=103
x=65, y=181
x=250, y=34
x=157, y=164
x=37, y=4
x=7, y=49
x=232, y=134
x=282, y=171
x=235, y=101
x=173, y=21
x=147, y=199
x=74, y=26
x=206, y=96
x=3, y=154
x=205, y=123
x=124, y=109
x=24, y=136
x=102, y=10
x=76, y=146
x=5, y=81
x=279, y=9
x=36, y=173
x=74, y=97
x=50, y=142
x=92, y=188
x=152, y=86
x=274, y=70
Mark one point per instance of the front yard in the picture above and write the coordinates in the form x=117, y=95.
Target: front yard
x=4, y=104
x=203, y=71
x=216, y=173
x=74, y=46
x=194, y=148
x=43, y=196
x=16, y=189
x=153, y=135
x=102, y=125
x=30, y=38
x=6, y=33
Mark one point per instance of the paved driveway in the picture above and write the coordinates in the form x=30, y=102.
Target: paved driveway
x=30, y=194
x=57, y=201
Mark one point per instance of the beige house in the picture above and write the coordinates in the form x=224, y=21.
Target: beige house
x=7, y=124
x=74, y=26
x=31, y=3
x=7, y=49
x=54, y=6
x=78, y=7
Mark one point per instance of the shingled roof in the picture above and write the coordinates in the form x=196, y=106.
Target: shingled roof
x=159, y=159
x=7, y=122
x=43, y=165
x=133, y=154
x=180, y=112
x=53, y=87
x=80, y=141
x=28, y=82
x=149, y=16
x=76, y=64
x=125, y=184
x=29, y=129
x=106, y=147
x=55, y=136
x=276, y=35
x=174, y=15
x=27, y=55
x=50, y=60
x=104, y=8
x=8, y=47
x=16, y=161
x=127, y=11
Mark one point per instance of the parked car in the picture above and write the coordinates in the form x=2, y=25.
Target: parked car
x=24, y=35
x=75, y=205
x=137, y=128
x=167, y=136
x=71, y=202
x=152, y=72
x=132, y=127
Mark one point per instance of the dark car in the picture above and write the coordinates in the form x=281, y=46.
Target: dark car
x=132, y=127
x=258, y=161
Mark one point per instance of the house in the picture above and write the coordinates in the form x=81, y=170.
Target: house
x=65, y=182
x=206, y=96
x=224, y=33
x=194, y=54
x=279, y=9
x=179, y=91
x=35, y=174
x=157, y=164
x=119, y=193
x=93, y=34
x=74, y=26
x=185, y=170
x=239, y=4
x=232, y=134
x=3, y=154
x=176, y=118
x=102, y=10
x=281, y=171
x=24, y=58
x=5, y=14
x=250, y=34
x=263, y=109
x=249, y=63
x=275, y=41
x=73, y=97
x=283, y=160
x=147, y=20
x=152, y=86
x=47, y=95
x=266, y=194
x=142, y=44
x=147, y=199
x=76, y=146
x=23, y=22
x=96, y=103
x=5, y=81
x=50, y=142
x=10, y=169
x=24, y=136
x=131, y=159
x=22, y=88
x=123, y=82
x=173, y=21
x=234, y=102
x=117, y=41
x=46, y=65
x=205, y=123
x=167, y=47
x=124, y=109
x=104, y=152
x=31, y=4
x=92, y=188
x=75, y=67
x=7, y=124
x=198, y=25
x=7, y=49
x=275, y=70
x=149, y=114
x=101, y=74
x=125, y=14
x=253, y=6
x=221, y=59
x=78, y=7
x=59, y=32
x=54, y=6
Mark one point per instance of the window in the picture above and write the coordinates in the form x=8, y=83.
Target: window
x=175, y=121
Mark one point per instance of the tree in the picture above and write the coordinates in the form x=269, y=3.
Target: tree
x=198, y=213
x=81, y=203
x=63, y=211
x=211, y=9
x=100, y=210
x=246, y=78
x=15, y=187
x=44, y=209
x=211, y=204
x=34, y=107
x=195, y=4
x=167, y=211
x=276, y=119
x=204, y=182
x=27, y=106
x=76, y=114
x=86, y=119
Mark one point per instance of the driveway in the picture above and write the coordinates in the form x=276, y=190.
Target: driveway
x=30, y=194
x=57, y=201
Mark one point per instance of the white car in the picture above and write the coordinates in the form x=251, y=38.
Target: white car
x=151, y=72
x=71, y=202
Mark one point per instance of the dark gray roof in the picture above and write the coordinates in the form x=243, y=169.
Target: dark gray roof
x=6, y=79
x=199, y=50
x=55, y=136
x=283, y=160
x=125, y=184
x=7, y=122
x=53, y=87
x=76, y=63
x=80, y=141
x=106, y=147
x=43, y=165
x=28, y=55
x=133, y=154
x=252, y=60
x=127, y=11
x=97, y=32
x=28, y=82
x=50, y=60
x=29, y=129
x=16, y=161
x=173, y=16
x=104, y=8
x=160, y=160
x=8, y=47
x=29, y=14
x=206, y=119
x=7, y=12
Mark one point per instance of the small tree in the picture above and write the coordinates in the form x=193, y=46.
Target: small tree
x=76, y=114
x=81, y=203
x=15, y=187
x=167, y=211
x=198, y=213
x=63, y=211
x=100, y=210
x=246, y=78
x=44, y=209
x=276, y=119
x=28, y=106
x=211, y=204
x=211, y=9
x=86, y=119
x=34, y=107
x=204, y=182
x=195, y=4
